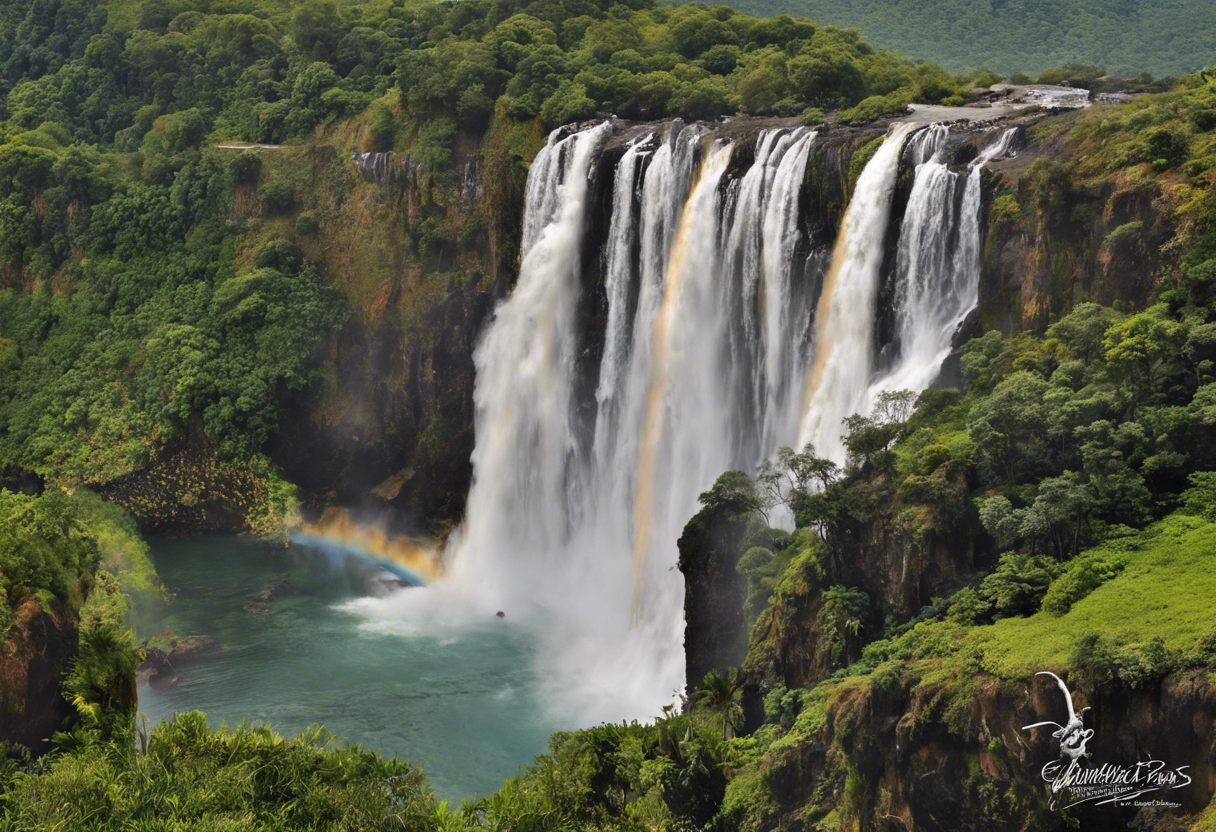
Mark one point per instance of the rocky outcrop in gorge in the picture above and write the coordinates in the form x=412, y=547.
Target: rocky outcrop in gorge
x=34, y=657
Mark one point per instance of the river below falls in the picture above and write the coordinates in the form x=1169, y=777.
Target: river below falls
x=466, y=706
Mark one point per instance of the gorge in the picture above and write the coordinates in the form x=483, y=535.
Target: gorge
x=600, y=426
x=747, y=426
x=677, y=285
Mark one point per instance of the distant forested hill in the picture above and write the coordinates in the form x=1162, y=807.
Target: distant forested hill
x=1127, y=37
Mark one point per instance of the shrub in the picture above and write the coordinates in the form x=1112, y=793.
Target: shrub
x=1083, y=576
x=931, y=457
x=245, y=168
x=887, y=681
x=279, y=254
x=1017, y=585
x=812, y=116
x=967, y=607
x=1094, y=659
x=1200, y=498
x=381, y=130
x=1204, y=119
x=841, y=622
x=306, y=225
x=1143, y=665
x=433, y=148
x=781, y=705
x=1125, y=238
x=1005, y=208
x=877, y=106
x=1165, y=148
x=277, y=196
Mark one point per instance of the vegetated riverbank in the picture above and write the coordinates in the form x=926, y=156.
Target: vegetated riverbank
x=1113, y=205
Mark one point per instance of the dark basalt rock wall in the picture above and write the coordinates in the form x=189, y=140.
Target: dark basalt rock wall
x=715, y=637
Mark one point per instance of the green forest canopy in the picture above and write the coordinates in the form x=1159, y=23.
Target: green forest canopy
x=1127, y=37
x=127, y=320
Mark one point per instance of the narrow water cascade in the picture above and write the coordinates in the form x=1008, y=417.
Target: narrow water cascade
x=375, y=167
x=726, y=331
x=844, y=350
x=938, y=261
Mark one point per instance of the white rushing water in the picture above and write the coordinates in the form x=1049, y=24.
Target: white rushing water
x=718, y=347
x=937, y=262
x=844, y=353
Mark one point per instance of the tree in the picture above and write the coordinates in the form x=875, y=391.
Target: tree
x=841, y=621
x=1001, y=520
x=828, y=78
x=1009, y=427
x=1057, y=520
x=101, y=681
x=793, y=475
x=867, y=440
x=1017, y=585
x=732, y=493
x=1084, y=329
x=893, y=407
x=1137, y=346
x=720, y=694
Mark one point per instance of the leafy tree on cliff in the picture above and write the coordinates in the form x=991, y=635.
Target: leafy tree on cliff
x=733, y=493
x=719, y=694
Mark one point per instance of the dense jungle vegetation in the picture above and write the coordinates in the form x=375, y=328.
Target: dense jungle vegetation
x=54, y=547
x=1025, y=35
x=136, y=310
x=1080, y=458
x=132, y=316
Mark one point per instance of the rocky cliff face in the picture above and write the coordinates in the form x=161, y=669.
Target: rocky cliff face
x=714, y=631
x=33, y=660
x=931, y=756
x=1058, y=234
x=421, y=252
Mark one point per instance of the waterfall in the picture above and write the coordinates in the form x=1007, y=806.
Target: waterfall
x=525, y=457
x=618, y=280
x=938, y=263
x=726, y=333
x=787, y=318
x=375, y=167
x=840, y=375
x=683, y=400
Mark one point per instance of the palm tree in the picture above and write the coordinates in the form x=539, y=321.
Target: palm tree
x=720, y=693
x=101, y=683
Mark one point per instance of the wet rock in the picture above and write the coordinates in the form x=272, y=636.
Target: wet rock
x=187, y=648
x=34, y=657
x=257, y=608
x=282, y=588
x=155, y=670
x=158, y=670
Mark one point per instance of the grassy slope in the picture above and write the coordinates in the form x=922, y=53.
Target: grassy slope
x=1125, y=36
x=1165, y=590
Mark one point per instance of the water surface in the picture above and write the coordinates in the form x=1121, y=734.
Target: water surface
x=464, y=707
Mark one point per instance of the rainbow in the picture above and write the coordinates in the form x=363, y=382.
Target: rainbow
x=411, y=559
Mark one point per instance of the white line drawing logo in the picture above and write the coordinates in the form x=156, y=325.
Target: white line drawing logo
x=1071, y=782
x=1073, y=735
